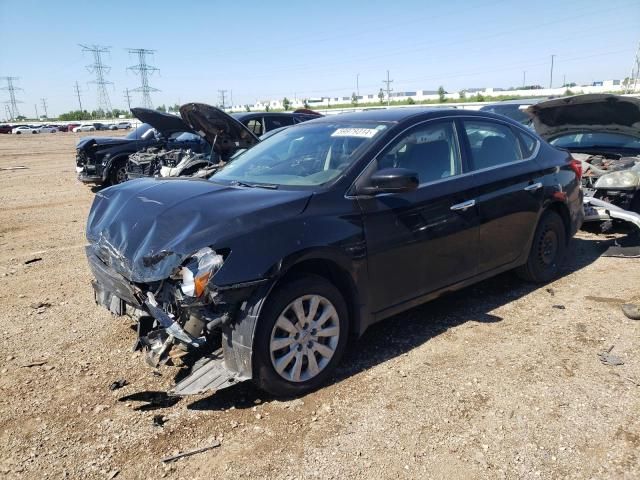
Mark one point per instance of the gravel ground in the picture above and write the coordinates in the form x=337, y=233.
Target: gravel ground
x=501, y=380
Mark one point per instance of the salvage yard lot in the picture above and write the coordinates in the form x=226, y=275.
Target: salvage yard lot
x=500, y=380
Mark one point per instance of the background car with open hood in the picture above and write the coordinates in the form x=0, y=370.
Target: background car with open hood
x=602, y=131
x=103, y=160
x=227, y=135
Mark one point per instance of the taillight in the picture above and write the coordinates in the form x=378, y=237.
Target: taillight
x=576, y=166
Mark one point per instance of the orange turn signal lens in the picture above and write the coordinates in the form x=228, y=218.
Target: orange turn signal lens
x=201, y=283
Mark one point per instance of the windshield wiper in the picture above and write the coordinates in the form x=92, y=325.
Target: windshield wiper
x=254, y=185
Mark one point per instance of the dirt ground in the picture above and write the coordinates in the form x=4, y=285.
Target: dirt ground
x=501, y=380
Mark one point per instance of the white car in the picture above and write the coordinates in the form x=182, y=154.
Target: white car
x=49, y=129
x=85, y=127
x=25, y=129
x=123, y=125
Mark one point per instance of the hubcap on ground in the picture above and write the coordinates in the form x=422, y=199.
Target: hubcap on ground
x=304, y=338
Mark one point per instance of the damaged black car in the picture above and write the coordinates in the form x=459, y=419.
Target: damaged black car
x=263, y=271
x=103, y=160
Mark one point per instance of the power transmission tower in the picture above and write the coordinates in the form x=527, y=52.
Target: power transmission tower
x=389, y=89
x=100, y=70
x=13, y=102
x=127, y=96
x=222, y=94
x=35, y=105
x=634, y=78
x=44, y=107
x=7, y=111
x=77, y=89
x=144, y=70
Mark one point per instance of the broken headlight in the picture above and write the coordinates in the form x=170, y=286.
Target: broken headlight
x=625, y=179
x=198, y=270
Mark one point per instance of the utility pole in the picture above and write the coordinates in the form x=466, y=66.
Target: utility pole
x=222, y=94
x=100, y=70
x=144, y=70
x=77, y=89
x=231, y=98
x=44, y=107
x=13, y=102
x=357, y=84
x=127, y=96
x=564, y=79
x=551, y=75
x=35, y=105
x=389, y=89
x=524, y=78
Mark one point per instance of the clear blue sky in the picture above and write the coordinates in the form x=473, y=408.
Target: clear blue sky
x=271, y=49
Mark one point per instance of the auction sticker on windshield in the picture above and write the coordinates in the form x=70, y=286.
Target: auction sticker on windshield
x=355, y=132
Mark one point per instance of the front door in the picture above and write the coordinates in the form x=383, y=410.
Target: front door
x=427, y=239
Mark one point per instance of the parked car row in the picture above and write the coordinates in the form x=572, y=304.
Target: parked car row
x=70, y=127
x=294, y=243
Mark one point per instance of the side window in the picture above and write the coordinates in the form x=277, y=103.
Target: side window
x=492, y=144
x=271, y=123
x=430, y=150
x=255, y=125
x=528, y=144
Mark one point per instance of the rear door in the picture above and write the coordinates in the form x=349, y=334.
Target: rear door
x=510, y=189
x=421, y=241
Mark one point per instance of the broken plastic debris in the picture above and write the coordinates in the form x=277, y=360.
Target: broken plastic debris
x=608, y=359
x=631, y=310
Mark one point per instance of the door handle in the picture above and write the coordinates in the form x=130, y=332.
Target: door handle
x=533, y=187
x=464, y=205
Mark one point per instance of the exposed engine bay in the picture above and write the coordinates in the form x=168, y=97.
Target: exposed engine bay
x=158, y=162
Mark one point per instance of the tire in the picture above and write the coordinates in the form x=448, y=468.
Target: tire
x=118, y=173
x=18, y=133
x=297, y=351
x=548, y=250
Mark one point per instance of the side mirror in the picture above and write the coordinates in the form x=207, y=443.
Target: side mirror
x=390, y=180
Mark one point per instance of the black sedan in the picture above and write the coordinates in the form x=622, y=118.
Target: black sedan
x=264, y=270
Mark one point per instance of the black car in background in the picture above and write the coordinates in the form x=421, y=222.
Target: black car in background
x=260, y=123
x=513, y=109
x=264, y=270
x=103, y=160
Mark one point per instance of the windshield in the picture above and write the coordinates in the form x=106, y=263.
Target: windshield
x=138, y=132
x=306, y=155
x=596, y=139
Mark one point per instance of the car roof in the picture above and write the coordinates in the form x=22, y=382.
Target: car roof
x=385, y=115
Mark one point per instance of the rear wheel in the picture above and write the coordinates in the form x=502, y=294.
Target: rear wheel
x=301, y=336
x=547, y=250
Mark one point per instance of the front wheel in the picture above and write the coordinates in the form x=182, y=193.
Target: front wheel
x=547, y=250
x=118, y=173
x=301, y=336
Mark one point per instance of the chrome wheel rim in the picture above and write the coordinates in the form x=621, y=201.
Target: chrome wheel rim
x=304, y=338
x=121, y=175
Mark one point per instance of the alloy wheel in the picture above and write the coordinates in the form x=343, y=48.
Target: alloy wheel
x=304, y=338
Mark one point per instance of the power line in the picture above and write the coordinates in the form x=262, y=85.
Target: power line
x=127, y=96
x=13, y=102
x=222, y=94
x=389, y=90
x=77, y=89
x=100, y=70
x=44, y=107
x=144, y=70
x=634, y=78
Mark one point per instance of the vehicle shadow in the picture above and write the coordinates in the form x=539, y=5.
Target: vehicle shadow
x=408, y=330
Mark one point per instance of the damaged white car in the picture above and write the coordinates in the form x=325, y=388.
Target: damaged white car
x=602, y=131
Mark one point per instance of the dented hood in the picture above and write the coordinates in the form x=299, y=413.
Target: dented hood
x=145, y=228
x=221, y=130
x=165, y=123
x=590, y=112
